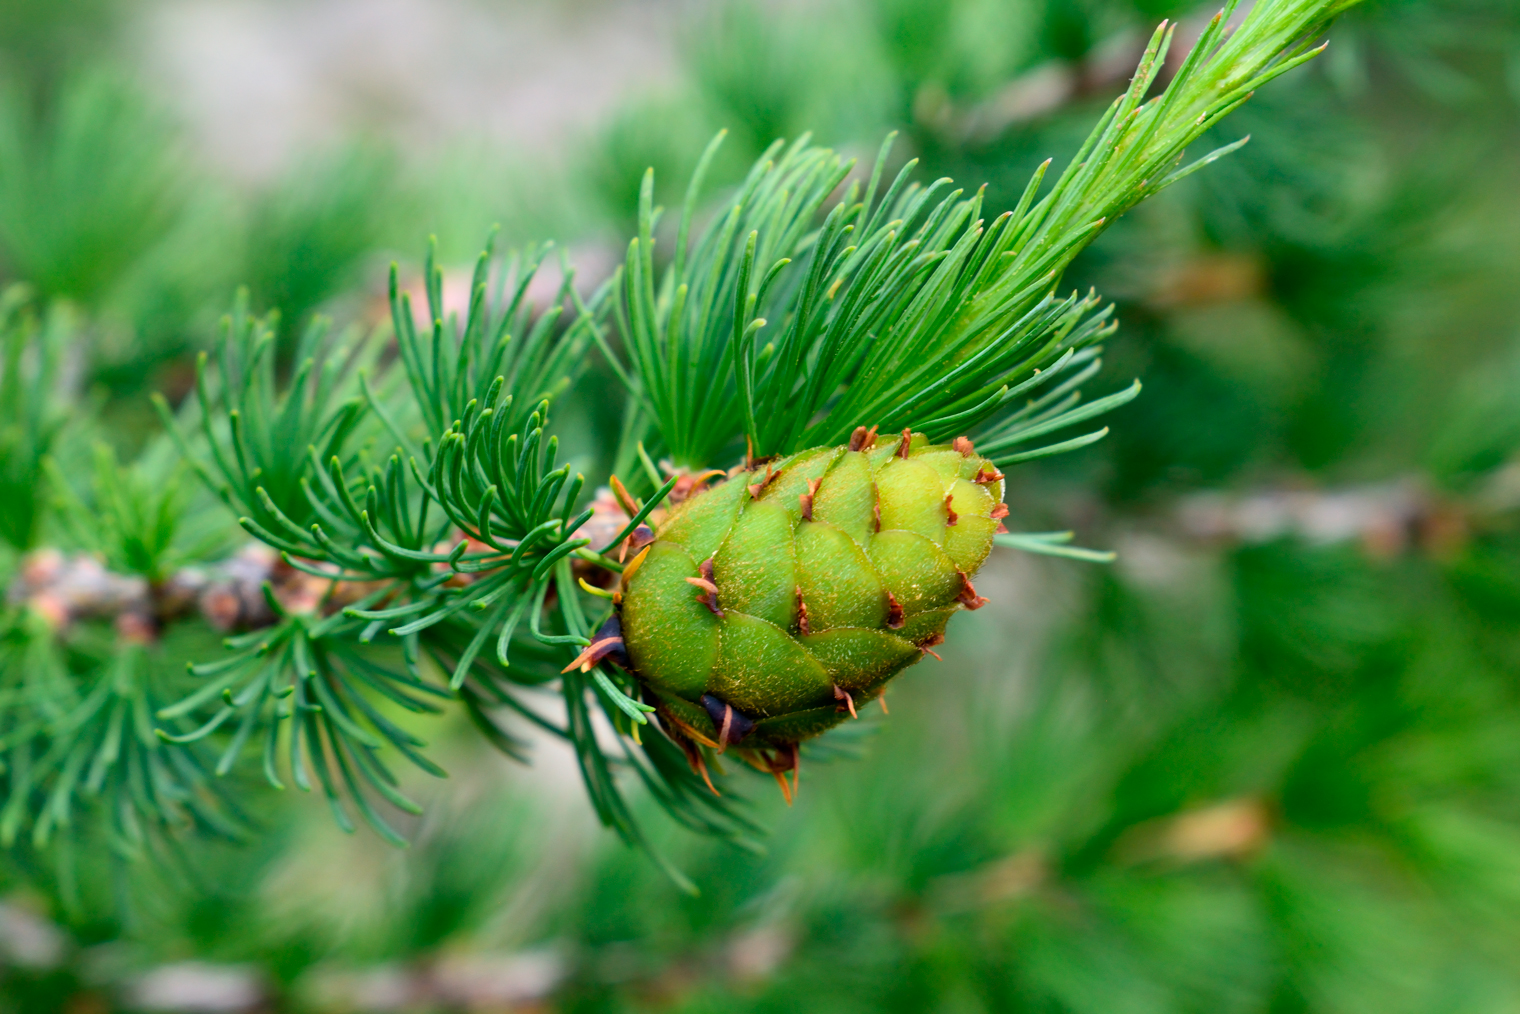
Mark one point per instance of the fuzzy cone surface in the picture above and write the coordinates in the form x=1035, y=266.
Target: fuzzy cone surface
x=771, y=605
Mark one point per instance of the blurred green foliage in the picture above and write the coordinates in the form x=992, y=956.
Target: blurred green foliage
x=312, y=232
x=33, y=405
x=1258, y=769
x=87, y=185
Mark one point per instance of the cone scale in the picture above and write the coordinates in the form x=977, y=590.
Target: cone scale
x=772, y=605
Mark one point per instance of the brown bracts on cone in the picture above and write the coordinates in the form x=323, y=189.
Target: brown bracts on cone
x=772, y=604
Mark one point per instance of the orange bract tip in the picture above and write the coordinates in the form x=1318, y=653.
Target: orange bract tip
x=757, y=488
x=805, y=500
x=594, y=653
x=863, y=439
x=633, y=566
x=701, y=767
x=709, y=596
x=927, y=646
x=786, y=789
x=688, y=486
x=750, y=461
x=627, y=502
x=849, y=702
x=637, y=539
x=968, y=596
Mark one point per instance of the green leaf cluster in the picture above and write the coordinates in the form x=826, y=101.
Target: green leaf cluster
x=908, y=311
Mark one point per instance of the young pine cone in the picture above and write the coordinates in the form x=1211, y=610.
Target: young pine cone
x=769, y=607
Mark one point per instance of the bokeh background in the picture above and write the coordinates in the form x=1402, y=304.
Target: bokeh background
x=1268, y=761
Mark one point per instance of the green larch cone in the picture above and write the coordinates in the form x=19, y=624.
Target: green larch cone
x=774, y=604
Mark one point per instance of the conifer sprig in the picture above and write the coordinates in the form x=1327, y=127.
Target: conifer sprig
x=384, y=546
x=80, y=743
x=430, y=534
x=448, y=364
x=455, y=549
x=80, y=738
x=908, y=310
